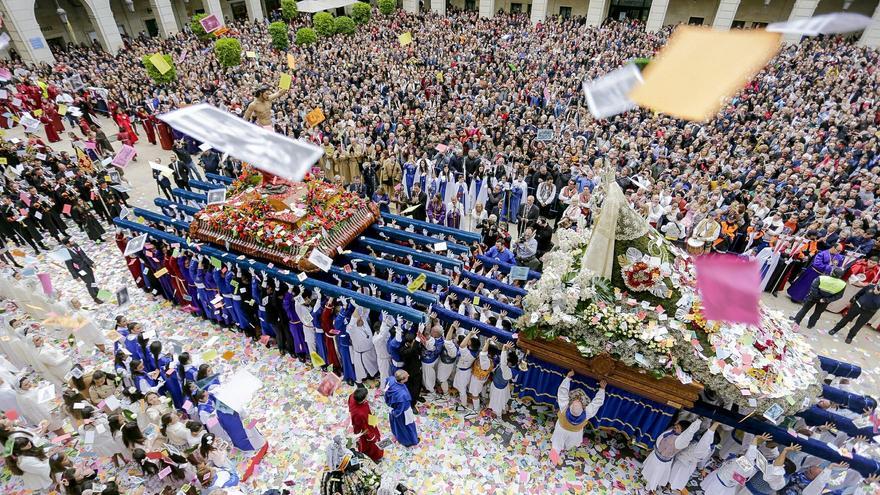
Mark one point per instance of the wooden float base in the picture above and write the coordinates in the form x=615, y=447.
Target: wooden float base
x=666, y=390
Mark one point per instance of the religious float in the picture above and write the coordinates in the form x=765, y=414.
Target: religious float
x=617, y=303
x=285, y=222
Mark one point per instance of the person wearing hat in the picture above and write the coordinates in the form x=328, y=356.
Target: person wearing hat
x=823, y=291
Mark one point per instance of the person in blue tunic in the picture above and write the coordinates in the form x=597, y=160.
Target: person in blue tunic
x=134, y=342
x=259, y=296
x=235, y=309
x=199, y=272
x=394, y=344
x=295, y=326
x=186, y=371
x=226, y=312
x=211, y=291
x=409, y=174
x=403, y=422
x=344, y=309
x=226, y=423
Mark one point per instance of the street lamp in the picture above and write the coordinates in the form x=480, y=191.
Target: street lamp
x=130, y=5
x=62, y=14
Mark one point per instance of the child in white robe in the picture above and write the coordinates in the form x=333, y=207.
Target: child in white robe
x=33, y=408
x=363, y=354
x=734, y=473
x=470, y=349
x=88, y=332
x=499, y=391
x=658, y=465
x=574, y=412
x=31, y=463
x=686, y=462
x=54, y=363
x=380, y=344
x=448, y=358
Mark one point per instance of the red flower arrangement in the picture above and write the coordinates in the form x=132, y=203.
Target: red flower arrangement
x=640, y=276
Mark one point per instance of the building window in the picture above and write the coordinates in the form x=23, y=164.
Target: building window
x=759, y=25
x=695, y=21
x=738, y=25
x=565, y=12
x=470, y=5
x=515, y=8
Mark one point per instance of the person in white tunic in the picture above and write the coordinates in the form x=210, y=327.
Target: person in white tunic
x=174, y=430
x=448, y=358
x=574, y=412
x=363, y=355
x=499, y=391
x=380, y=345
x=11, y=344
x=734, y=473
x=685, y=463
x=88, y=332
x=470, y=349
x=304, y=312
x=36, y=404
x=56, y=363
x=95, y=434
x=658, y=465
x=774, y=476
x=432, y=348
x=31, y=463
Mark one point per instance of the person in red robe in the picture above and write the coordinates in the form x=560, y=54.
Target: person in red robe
x=52, y=111
x=329, y=340
x=84, y=125
x=134, y=265
x=123, y=121
x=360, y=412
x=178, y=284
x=166, y=139
x=149, y=123
x=49, y=127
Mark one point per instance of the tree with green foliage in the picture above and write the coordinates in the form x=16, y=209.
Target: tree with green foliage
x=387, y=7
x=360, y=12
x=279, y=34
x=197, y=28
x=154, y=73
x=306, y=36
x=323, y=24
x=228, y=52
x=343, y=25
x=288, y=9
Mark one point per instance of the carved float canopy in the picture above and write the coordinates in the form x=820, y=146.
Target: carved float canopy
x=666, y=390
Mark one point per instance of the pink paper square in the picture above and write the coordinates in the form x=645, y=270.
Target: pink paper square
x=730, y=287
x=212, y=422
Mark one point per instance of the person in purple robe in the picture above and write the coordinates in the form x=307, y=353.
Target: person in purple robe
x=436, y=210
x=454, y=212
x=397, y=397
x=296, y=329
x=823, y=264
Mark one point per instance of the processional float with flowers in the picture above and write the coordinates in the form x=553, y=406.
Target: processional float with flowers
x=620, y=302
x=282, y=221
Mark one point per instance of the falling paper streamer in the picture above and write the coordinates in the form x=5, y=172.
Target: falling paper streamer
x=607, y=95
x=730, y=288
x=836, y=23
x=699, y=67
x=279, y=155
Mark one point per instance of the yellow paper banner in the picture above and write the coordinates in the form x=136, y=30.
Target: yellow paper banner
x=158, y=61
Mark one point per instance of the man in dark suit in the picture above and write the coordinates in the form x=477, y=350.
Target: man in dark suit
x=80, y=266
x=419, y=200
x=528, y=214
